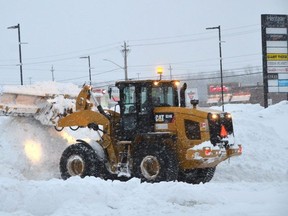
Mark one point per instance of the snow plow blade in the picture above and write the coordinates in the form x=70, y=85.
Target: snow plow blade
x=46, y=108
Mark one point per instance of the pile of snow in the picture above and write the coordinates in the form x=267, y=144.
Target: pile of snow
x=255, y=183
x=263, y=134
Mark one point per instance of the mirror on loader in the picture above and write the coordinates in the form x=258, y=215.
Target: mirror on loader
x=110, y=92
x=113, y=93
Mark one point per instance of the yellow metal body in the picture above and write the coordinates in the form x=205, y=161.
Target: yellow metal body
x=83, y=99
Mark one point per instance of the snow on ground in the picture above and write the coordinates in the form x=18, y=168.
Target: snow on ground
x=255, y=183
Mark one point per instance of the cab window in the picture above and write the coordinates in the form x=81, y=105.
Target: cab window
x=129, y=100
x=162, y=96
x=144, y=105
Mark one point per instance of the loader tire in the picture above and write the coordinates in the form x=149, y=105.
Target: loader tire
x=155, y=163
x=196, y=176
x=79, y=160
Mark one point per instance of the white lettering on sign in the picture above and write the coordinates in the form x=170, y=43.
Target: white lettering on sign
x=277, y=63
x=275, y=18
x=159, y=118
x=277, y=69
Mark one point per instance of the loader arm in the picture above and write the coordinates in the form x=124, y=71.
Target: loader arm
x=83, y=118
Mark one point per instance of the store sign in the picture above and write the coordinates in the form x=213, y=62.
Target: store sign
x=278, y=70
x=275, y=56
x=218, y=89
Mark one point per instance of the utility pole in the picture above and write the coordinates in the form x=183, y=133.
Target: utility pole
x=170, y=69
x=52, y=71
x=125, y=51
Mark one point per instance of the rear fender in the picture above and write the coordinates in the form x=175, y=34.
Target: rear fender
x=95, y=146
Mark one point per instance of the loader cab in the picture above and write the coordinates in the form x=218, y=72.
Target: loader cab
x=138, y=100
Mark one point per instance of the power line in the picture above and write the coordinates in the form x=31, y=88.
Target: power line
x=100, y=84
x=233, y=70
x=136, y=45
x=191, y=40
x=74, y=52
x=94, y=74
x=138, y=40
x=189, y=35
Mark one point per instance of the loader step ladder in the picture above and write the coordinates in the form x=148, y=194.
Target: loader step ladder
x=123, y=165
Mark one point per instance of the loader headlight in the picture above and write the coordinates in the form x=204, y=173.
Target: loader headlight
x=176, y=83
x=155, y=83
x=228, y=116
x=213, y=116
x=33, y=151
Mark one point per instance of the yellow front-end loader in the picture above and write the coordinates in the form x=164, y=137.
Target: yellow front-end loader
x=150, y=135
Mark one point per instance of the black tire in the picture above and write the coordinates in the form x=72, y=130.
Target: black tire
x=80, y=160
x=196, y=176
x=155, y=163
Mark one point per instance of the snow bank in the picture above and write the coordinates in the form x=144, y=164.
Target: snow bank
x=255, y=183
x=263, y=134
x=97, y=197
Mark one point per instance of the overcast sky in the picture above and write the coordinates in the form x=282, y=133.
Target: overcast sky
x=158, y=32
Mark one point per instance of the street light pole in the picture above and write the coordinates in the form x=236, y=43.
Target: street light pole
x=89, y=65
x=20, y=54
x=220, y=54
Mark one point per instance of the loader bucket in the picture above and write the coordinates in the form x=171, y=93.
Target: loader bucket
x=19, y=105
x=47, y=108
